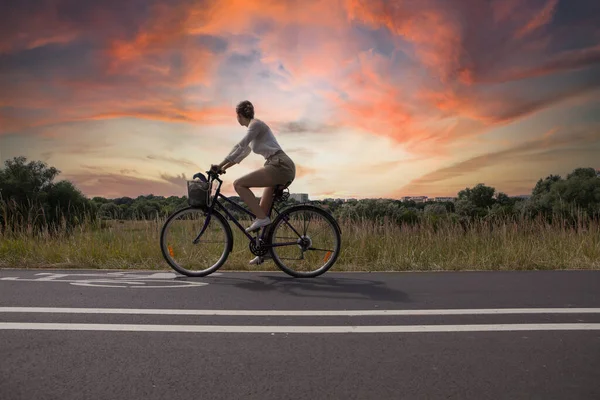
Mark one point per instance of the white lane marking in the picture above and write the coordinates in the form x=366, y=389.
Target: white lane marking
x=300, y=313
x=115, y=280
x=298, y=329
x=50, y=276
x=122, y=283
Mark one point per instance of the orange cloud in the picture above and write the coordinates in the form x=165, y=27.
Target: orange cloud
x=238, y=16
x=140, y=75
x=433, y=30
x=422, y=120
x=310, y=38
x=31, y=27
x=164, y=36
x=370, y=102
x=136, y=68
x=303, y=171
x=502, y=9
x=477, y=111
x=563, y=61
x=164, y=111
x=177, y=161
x=172, y=114
x=424, y=91
x=579, y=140
x=115, y=185
x=538, y=20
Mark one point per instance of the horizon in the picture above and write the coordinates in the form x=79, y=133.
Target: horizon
x=371, y=99
x=401, y=198
x=325, y=197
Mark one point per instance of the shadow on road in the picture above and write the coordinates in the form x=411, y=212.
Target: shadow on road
x=321, y=287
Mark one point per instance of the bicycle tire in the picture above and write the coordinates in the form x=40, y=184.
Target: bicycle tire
x=300, y=208
x=229, y=246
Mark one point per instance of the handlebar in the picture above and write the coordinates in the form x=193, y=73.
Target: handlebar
x=211, y=174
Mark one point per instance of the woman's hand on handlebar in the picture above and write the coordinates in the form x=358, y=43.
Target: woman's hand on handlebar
x=217, y=169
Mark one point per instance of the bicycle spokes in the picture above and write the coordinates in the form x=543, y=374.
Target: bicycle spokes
x=305, y=241
x=195, y=243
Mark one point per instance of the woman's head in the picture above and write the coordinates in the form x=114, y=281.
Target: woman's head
x=245, y=112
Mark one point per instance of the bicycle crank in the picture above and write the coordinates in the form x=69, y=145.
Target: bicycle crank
x=257, y=247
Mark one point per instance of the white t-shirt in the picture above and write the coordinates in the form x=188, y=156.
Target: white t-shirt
x=259, y=138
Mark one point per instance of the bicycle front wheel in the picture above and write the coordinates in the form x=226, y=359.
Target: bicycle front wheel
x=195, y=243
x=305, y=241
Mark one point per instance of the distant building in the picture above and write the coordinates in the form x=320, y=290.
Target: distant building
x=299, y=197
x=416, y=199
x=443, y=198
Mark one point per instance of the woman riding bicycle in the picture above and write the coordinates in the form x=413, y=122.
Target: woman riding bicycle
x=278, y=169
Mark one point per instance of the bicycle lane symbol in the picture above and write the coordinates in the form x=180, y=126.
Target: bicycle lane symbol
x=158, y=280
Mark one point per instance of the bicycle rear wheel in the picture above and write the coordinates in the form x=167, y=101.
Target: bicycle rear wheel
x=194, y=245
x=306, y=241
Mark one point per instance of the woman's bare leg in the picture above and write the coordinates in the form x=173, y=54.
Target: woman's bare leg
x=258, y=178
x=267, y=199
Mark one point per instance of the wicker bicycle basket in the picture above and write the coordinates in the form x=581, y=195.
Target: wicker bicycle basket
x=198, y=193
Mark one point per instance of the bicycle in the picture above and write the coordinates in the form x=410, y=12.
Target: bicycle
x=204, y=208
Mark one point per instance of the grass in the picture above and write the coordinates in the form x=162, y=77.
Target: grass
x=366, y=246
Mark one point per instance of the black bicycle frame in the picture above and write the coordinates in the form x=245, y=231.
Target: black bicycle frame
x=218, y=195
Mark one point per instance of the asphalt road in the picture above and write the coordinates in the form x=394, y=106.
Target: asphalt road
x=83, y=334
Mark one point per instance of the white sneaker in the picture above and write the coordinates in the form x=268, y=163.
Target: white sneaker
x=259, y=260
x=258, y=223
x=256, y=260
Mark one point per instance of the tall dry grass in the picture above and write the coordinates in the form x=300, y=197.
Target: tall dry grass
x=499, y=244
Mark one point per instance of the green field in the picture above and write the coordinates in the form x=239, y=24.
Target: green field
x=46, y=224
x=502, y=244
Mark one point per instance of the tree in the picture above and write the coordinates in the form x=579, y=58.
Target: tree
x=123, y=200
x=466, y=208
x=476, y=201
x=65, y=203
x=503, y=199
x=109, y=211
x=100, y=200
x=581, y=189
x=554, y=195
x=543, y=186
x=30, y=197
x=21, y=181
x=481, y=196
x=583, y=173
x=435, y=209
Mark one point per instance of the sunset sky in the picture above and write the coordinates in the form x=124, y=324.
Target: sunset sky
x=370, y=98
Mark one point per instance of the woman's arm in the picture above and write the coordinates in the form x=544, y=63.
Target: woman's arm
x=242, y=149
x=222, y=166
x=226, y=164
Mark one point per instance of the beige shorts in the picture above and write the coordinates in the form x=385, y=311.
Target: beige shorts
x=281, y=168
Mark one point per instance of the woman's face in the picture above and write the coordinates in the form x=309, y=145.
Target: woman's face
x=242, y=120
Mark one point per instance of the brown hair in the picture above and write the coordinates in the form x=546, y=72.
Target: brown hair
x=245, y=109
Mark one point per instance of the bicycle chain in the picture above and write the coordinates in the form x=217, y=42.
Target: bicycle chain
x=258, y=250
